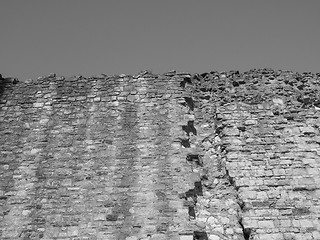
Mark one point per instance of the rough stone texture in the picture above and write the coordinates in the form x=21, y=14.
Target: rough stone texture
x=214, y=156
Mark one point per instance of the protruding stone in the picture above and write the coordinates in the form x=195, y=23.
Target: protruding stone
x=52, y=75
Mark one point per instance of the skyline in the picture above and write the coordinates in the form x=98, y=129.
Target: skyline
x=114, y=37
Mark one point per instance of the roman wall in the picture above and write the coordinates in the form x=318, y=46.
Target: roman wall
x=180, y=156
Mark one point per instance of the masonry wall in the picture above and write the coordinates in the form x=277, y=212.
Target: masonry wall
x=173, y=156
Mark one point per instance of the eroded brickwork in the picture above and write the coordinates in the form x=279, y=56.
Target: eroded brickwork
x=174, y=156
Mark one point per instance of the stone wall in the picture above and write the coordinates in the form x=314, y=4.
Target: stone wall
x=175, y=156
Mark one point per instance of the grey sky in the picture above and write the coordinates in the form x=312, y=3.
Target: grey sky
x=71, y=37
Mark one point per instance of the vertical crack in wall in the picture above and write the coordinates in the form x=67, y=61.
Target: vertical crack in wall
x=246, y=231
x=225, y=181
x=214, y=202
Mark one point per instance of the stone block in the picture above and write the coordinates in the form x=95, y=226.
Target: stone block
x=266, y=224
x=99, y=217
x=73, y=231
x=306, y=223
x=316, y=234
x=271, y=236
x=38, y=104
x=286, y=223
x=214, y=237
x=158, y=237
x=186, y=237
x=307, y=130
x=250, y=122
x=132, y=238
x=262, y=195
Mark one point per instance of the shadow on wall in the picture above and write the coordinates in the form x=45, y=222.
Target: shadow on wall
x=5, y=81
x=197, y=235
x=3, y=84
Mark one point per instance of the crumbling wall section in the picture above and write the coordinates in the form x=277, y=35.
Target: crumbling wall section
x=262, y=129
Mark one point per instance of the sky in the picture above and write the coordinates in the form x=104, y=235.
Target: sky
x=82, y=37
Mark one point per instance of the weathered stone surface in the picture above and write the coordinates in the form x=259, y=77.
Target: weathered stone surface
x=176, y=156
x=269, y=159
